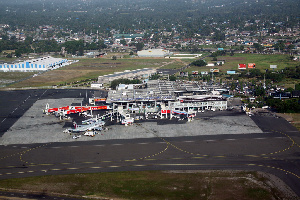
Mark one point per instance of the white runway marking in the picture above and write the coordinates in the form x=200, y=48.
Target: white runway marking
x=3, y=120
x=95, y=167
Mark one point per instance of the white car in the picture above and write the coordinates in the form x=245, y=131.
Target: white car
x=76, y=136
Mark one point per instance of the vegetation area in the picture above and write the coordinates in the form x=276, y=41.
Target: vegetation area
x=116, y=82
x=262, y=61
x=83, y=72
x=294, y=119
x=31, y=46
x=191, y=16
x=286, y=106
x=204, y=185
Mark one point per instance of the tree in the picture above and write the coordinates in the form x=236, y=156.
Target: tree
x=284, y=106
x=172, y=78
x=258, y=47
x=155, y=77
x=276, y=77
x=194, y=49
x=18, y=53
x=114, y=58
x=259, y=91
x=73, y=46
x=116, y=82
x=80, y=51
x=139, y=46
x=291, y=46
x=289, y=89
x=178, y=46
x=254, y=73
x=280, y=45
x=219, y=36
x=123, y=42
x=218, y=53
x=199, y=63
x=101, y=45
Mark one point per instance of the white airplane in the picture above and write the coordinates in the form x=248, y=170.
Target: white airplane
x=89, y=121
x=82, y=128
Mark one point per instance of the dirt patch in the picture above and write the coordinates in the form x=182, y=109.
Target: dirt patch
x=287, y=117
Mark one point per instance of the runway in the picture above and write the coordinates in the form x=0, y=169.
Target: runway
x=275, y=150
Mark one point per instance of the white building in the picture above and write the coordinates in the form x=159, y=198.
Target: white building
x=39, y=64
x=154, y=53
x=144, y=73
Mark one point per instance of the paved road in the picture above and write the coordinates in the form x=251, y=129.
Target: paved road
x=275, y=151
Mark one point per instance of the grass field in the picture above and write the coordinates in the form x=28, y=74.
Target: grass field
x=7, y=78
x=262, y=62
x=91, y=68
x=211, y=185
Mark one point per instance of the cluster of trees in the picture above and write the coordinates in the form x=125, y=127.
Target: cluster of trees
x=286, y=106
x=199, y=63
x=13, y=44
x=41, y=46
x=116, y=82
x=288, y=72
x=218, y=53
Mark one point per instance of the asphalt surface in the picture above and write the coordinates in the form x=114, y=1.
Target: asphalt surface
x=13, y=104
x=275, y=151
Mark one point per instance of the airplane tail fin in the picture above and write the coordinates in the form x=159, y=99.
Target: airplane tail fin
x=75, y=124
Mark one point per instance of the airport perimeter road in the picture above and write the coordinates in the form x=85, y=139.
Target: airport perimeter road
x=275, y=151
x=13, y=104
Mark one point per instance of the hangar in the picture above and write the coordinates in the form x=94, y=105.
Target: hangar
x=39, y=64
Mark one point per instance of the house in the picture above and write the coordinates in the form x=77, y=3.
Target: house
x=220, y=62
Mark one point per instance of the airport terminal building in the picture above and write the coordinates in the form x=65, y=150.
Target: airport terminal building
x=164, y=99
